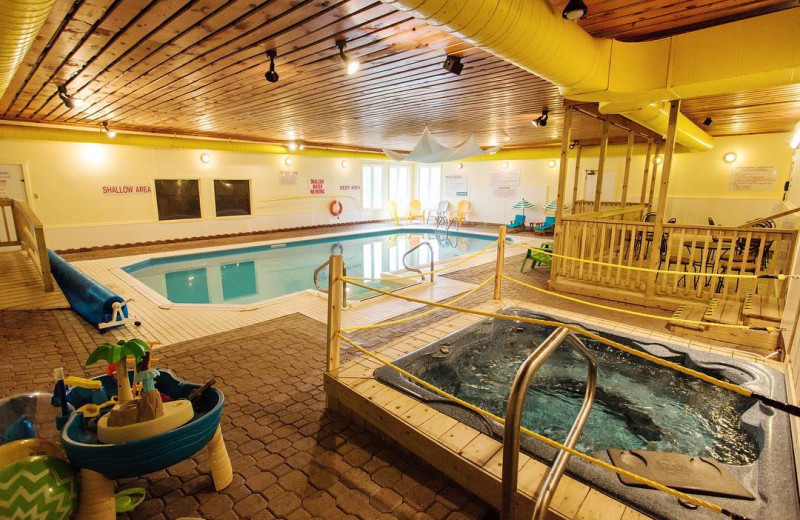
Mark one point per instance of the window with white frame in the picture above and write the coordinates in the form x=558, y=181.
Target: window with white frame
x=399, y=185
x=372, y=187
x=429, y=185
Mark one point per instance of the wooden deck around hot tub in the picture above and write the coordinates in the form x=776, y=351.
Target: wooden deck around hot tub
x=469, y=457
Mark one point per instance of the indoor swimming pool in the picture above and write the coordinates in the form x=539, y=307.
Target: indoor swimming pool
x=251, y=274
x=638, y=406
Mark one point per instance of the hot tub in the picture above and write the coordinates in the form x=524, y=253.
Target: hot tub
x=638, y=406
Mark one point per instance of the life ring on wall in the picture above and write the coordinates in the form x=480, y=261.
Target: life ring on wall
x=335, y=208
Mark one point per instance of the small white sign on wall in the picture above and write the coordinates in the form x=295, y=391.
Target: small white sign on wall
x=504, y=178
x=455, y=186
x=316, y=186
x=753, y=178
x=288, y=177
x=4, y=189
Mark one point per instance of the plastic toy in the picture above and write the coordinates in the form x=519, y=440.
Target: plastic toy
x=13, y=451
x=38, y=487
x=22, y=428
x=117, y=353
x=128, y=499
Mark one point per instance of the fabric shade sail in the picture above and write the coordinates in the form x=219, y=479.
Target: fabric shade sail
x=429, y=150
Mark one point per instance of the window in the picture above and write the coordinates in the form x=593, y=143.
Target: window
x=399, y=186
x=429, y=185
x=232, y=197
x=177, y=198
x=372, y=187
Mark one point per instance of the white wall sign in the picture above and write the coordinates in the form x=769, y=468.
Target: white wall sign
x=753, y=178
x=455, y=186
x=288, y=177
x=4, y=174
x=502, y=178
x=4, y=189
x=316, y=186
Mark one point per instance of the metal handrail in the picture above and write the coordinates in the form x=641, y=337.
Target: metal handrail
x=419, y=271
x=324, y=290
x=516, y=402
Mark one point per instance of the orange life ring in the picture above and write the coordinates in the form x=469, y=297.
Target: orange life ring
x=335, y=208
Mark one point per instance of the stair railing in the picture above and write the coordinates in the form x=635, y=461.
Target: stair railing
x=419, y=271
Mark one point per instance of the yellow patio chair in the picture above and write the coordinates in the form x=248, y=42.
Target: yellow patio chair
x=415, y=211
x=392, y=206
x=461, y=212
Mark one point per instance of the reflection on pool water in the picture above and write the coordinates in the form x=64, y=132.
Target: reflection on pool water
x=247, y=275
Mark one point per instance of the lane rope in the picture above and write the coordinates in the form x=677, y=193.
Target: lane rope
x=550, y=442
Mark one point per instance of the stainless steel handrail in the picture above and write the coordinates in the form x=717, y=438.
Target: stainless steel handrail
x=324, y=290
x=419, y=271
x=516, y=402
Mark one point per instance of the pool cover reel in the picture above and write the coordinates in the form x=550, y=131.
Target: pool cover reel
x=92, y=301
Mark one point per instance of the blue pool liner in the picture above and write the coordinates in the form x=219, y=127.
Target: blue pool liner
x=92, y=301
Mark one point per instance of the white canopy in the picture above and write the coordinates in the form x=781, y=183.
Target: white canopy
x=429, y=150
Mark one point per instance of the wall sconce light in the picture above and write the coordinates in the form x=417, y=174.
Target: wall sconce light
x=287, y=161
x=729, y=157
x=658, y=159
x=205, y=158
x=344, y=164
x=504, y=165
x=460, y=165
x=551, y=163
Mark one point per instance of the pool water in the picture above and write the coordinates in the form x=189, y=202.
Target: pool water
x=638, y=405
x=247, y=275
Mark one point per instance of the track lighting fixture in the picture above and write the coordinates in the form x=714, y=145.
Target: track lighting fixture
x=575, y=10
x=453, y=65
x=110, y=133
x=69, y=101
x=573, y=144
x=351, y=63
x=271, y=75
x=542, y=119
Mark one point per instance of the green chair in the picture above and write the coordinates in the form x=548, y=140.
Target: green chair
x=538, y=257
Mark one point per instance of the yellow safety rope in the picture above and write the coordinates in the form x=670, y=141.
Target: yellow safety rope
x=555, y=444
x=536, y=321
x=662, y=271
x=641, y=314
x=445, y=267
x=409, y=318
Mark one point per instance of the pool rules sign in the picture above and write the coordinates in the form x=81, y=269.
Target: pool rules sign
x=316, y=186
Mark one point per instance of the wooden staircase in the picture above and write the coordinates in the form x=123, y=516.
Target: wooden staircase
x=756, y=311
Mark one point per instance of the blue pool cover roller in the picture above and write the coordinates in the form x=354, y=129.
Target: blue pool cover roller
x=92, y=301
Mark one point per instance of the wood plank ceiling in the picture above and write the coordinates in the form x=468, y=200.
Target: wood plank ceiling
x=196, y=67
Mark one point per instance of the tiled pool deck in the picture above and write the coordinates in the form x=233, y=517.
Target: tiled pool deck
x=291, y=458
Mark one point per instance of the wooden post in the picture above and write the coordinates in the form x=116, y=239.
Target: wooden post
x=566, y=137
x=646, y=171
x=577, y=178
x=658, y=229
x=659, y=144
x=601, y=165
x=625, y=177
x=335, y=289
x=498, y=269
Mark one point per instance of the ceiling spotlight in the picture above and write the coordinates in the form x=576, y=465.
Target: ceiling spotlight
x=573, y=144
x=292, y=146
x=453, y=65
x=69, y=101
x=542, y=119
x=271, y=75
x=110, y=133
x=351, y=63
x=729, y=157
x=707, y=121
x=575, y=10
x=287, y=161
x=205, y=158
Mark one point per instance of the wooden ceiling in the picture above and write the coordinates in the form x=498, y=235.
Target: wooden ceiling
x=196, y=67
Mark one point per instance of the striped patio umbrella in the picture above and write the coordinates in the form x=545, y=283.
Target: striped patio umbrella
x=523, y=205
x=551, y=206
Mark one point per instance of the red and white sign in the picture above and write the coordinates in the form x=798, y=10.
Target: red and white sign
x=349, y=187
x=316, y=186
x=127, y=189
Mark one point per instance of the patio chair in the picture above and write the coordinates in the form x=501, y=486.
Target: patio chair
x=538, y=257
x=439, y=213
x=415, y=211
x=393, y=213
x=672, y=259
x=545, y=228
x=460, y=215
x=516, y=224
x=746, y=261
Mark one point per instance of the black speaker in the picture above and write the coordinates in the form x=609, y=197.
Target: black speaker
x=453, y=65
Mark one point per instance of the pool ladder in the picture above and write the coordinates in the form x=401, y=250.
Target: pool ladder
x=419, y=271
x=516, y=403
x=324, y=290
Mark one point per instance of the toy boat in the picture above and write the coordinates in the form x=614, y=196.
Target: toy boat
x=176, y=414
x=144, y=455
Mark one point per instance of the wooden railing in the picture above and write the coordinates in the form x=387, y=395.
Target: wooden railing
x=632, y=212
x=28, y=233
x=702, y=252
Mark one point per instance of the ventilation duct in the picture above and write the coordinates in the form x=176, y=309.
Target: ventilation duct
x=631, y=79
